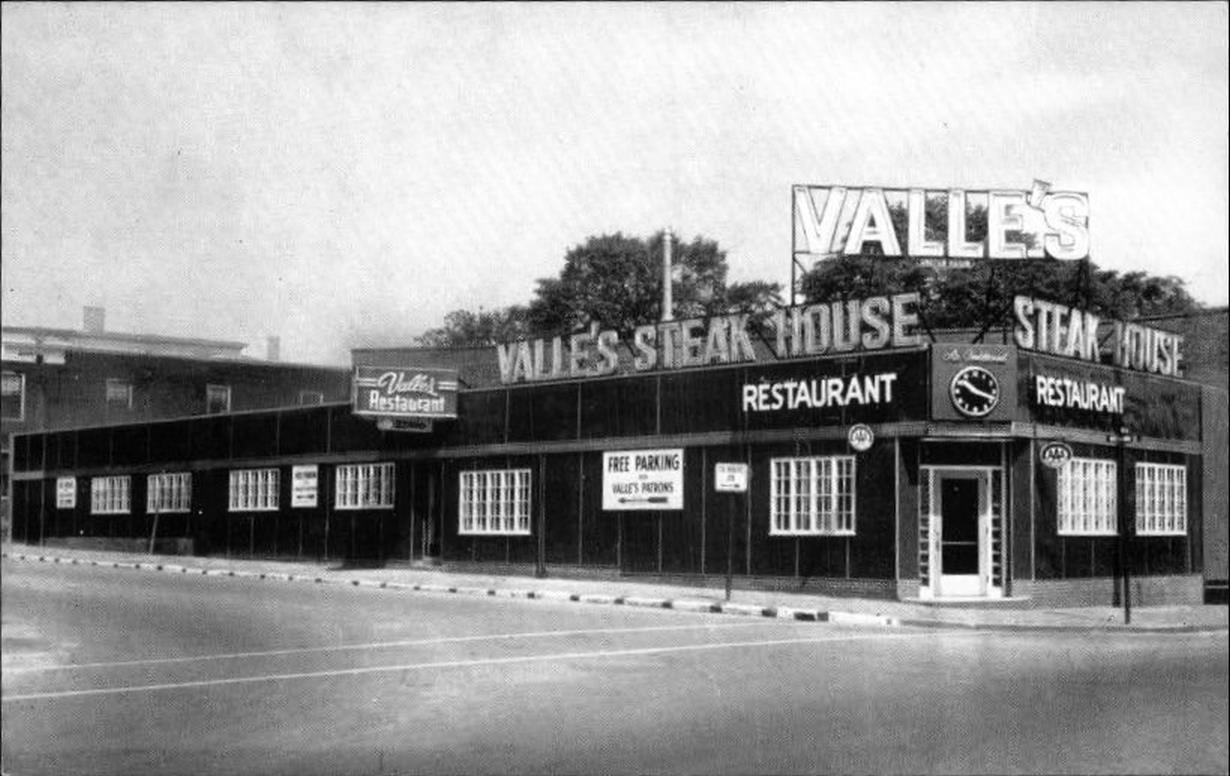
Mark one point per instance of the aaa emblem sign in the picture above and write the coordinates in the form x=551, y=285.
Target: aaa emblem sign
x=642, y=480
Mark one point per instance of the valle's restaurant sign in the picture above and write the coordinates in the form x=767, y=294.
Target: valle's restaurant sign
x=405, y=392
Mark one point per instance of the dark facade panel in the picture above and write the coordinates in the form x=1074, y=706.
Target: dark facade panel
x=625, y=406
x=255, y=435
x=546, y=413
x=480, y=419
x=701, y=401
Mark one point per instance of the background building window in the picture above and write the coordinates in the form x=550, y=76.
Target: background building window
x=812, y=496
x=217, y=399
x=168, y=493
x=495, y=501
x=1087, y=493
x=119, y=394
x=311, y=398
x=110, y=495
x=1161, y=499
x=364, y=486
x=254, y=490
x=13, y=396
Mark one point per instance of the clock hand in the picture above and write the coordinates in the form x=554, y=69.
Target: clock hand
x=967, y=385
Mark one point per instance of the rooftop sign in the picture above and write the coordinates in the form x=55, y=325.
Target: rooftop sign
x=1059, y=330
x=952, y=224
x=405, y=392
x=874, y=323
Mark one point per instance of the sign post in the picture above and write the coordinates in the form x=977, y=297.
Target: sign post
x=153, y=531
x=730, y=478
x=1122, y=439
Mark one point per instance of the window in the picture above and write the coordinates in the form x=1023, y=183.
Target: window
x=217, y=399
x=13, y=396
x=307, y=398
x=168, y=493
x=364, y=486
x=1087, y=497
x=110, y=495
x=254, y=490
x=119, y=394
x=812, y=496
x=1161, y=499
x=495, y=501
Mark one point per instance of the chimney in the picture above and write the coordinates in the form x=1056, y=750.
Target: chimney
x=273, y=348
x=94, y=319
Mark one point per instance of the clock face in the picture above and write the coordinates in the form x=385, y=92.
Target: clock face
x=974, y=391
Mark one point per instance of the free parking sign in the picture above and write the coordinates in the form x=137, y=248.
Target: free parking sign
x=642, y=479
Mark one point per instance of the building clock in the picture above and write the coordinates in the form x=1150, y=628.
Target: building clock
x=974, y=391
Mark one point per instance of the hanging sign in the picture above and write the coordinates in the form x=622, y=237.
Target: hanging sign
x=66, y=492
x=730, y=477
x=642, y=479
x=304, y=486
x=1055, y=454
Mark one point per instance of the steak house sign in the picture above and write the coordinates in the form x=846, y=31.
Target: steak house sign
x=874, y=323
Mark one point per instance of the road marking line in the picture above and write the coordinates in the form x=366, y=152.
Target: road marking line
x=380, y=645
x=477, y=662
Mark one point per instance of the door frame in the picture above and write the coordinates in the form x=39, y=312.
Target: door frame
x=932, y=511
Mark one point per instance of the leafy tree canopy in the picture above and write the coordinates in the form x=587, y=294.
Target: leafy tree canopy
x=957, y=297
x=464, y=328
x=615, y=281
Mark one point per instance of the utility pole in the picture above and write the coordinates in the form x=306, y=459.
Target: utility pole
x=668, y=305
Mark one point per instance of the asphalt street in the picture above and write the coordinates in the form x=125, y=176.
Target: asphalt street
x=121, y=671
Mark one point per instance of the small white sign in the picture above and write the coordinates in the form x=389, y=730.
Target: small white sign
x=861, y=437
x=730, y=477
x=642, y=479
x=304, y=486
x=66, y=492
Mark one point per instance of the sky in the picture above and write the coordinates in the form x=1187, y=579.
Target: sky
x=343, y=175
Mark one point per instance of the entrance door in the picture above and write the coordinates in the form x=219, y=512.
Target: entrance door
x=962, y=504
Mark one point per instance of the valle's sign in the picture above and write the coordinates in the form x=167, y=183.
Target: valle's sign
x=874, y=323
x=940, y=224
x=405, y=392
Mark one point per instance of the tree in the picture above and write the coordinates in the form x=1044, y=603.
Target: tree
x=615, y=281
x=463, y=328
x=975, y=296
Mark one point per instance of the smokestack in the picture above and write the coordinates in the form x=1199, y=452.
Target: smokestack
x=94, y=319
x=668, y=305
x=273, y=348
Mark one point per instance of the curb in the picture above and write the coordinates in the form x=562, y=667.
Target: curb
x=699, y=606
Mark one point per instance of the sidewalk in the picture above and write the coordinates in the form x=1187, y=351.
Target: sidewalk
x=629, y=592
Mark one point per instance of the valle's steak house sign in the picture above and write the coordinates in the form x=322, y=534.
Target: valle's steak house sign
x=401, y=392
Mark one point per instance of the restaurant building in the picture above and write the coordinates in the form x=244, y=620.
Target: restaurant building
x=835, y=448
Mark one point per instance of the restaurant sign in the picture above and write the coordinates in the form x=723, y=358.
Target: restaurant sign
x=848, y=326
x=405, y=392
x=1060, y=330
x=953, y=224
